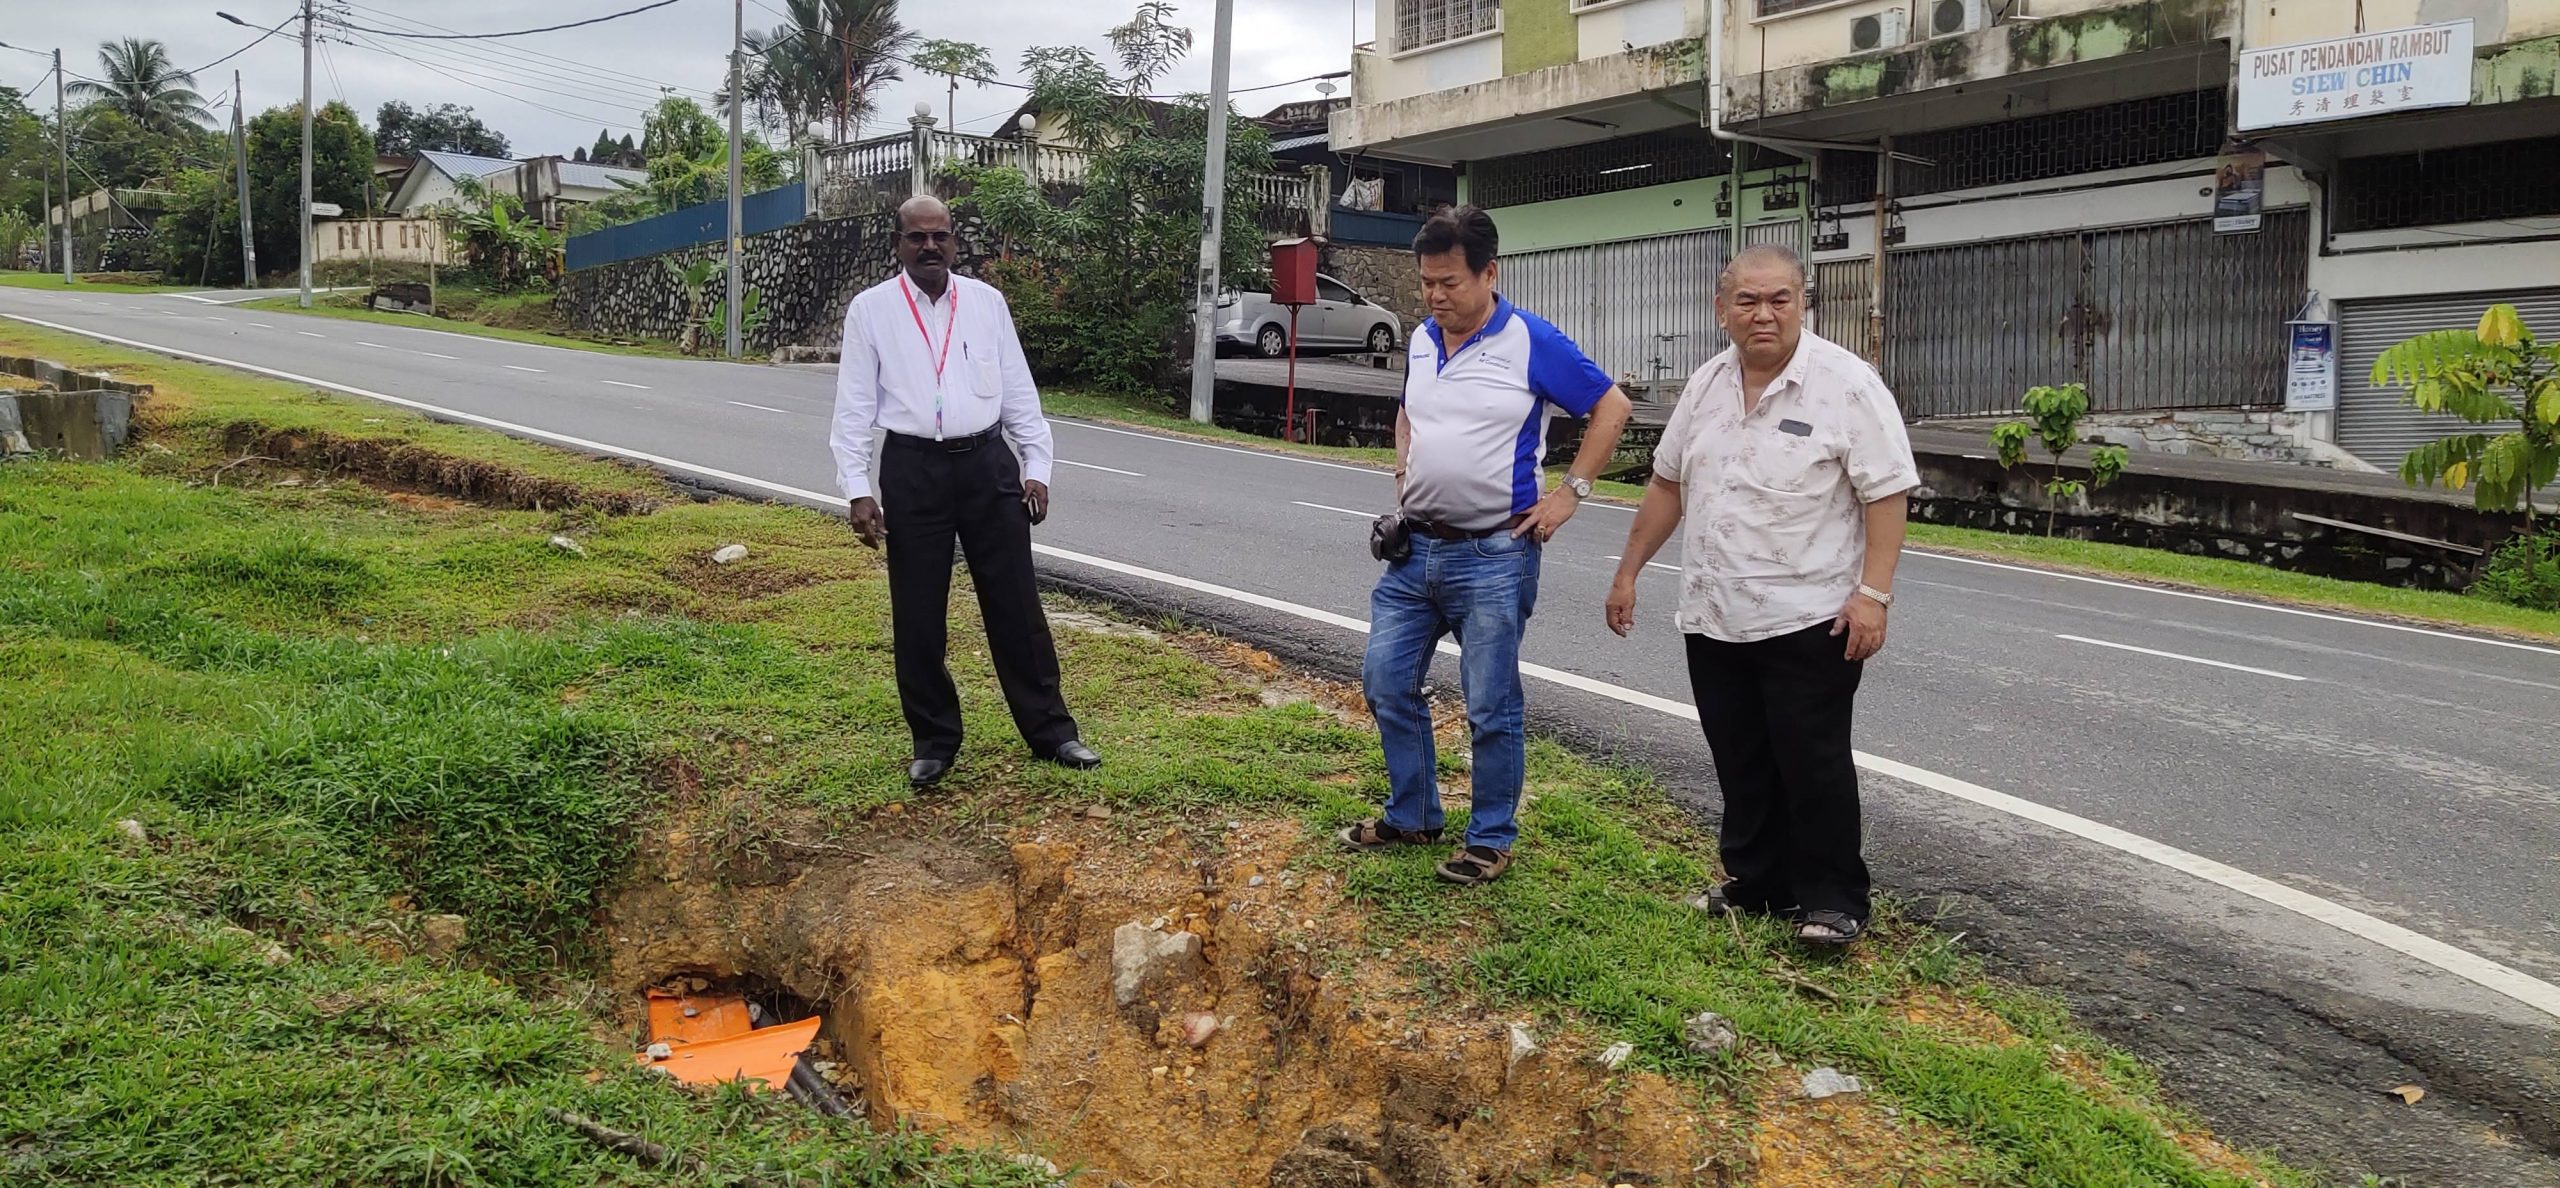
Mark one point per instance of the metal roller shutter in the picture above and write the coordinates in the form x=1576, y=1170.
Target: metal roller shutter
x=2375, y=424
x=1643, y=309
x=2168, y=315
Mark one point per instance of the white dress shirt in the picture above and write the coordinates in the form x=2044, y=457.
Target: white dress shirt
x=887, y=380
x=1773, y=502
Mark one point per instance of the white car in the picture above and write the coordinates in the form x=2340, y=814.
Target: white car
x=1340, y=320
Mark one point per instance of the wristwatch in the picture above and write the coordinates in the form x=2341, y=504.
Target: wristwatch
x=1580, y=486
x=1881, y=598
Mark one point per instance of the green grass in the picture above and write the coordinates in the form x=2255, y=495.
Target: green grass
x=473, y=313
x=333, y=708
x=204, y=402
x=2210, y=574
x=53, y=280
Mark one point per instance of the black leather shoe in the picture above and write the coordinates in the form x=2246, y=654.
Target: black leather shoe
x=925, y=773
x=1076, y=755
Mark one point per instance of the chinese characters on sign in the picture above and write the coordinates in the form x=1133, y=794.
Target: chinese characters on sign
x=2372, y=74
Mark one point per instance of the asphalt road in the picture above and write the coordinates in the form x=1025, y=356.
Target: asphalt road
x=2296, y=858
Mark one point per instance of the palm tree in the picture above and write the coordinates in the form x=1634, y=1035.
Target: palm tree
x=825, y=65
x=142, y=83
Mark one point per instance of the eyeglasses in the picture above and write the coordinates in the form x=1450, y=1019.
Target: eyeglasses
x=925, y=238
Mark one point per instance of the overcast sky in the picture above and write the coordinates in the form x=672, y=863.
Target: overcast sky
x=549, y=93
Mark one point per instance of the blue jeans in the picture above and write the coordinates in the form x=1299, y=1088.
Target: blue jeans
x=1481, y=593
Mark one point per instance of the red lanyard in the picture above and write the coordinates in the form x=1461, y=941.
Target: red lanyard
x=949, y=322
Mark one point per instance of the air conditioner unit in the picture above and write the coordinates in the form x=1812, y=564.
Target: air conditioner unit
x=1950, y=17
x=1881, y=30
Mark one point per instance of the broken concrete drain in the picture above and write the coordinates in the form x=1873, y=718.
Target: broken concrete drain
x=703, y=1033
x=1149, y=1012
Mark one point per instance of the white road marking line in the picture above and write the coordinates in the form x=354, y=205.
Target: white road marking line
x=212, y=318
x=262, y=325
x=308, y=334
x=431, y=354
x=171, y=313
x=2516, y=984
x=1650, y=564
x=1104, y=469
x=1329, y=507
x=2264, y=606
x=761, y=408
x=1184, y=441
x=375, y=345
x=193, y=297
x=2100, y=643
x=535, y=370
x=620, y=384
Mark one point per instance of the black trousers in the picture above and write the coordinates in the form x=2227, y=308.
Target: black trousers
x=1776, y=714
x=933, y=495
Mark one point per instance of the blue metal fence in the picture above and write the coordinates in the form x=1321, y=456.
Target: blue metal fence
x=1370, y=227
x=707, y=223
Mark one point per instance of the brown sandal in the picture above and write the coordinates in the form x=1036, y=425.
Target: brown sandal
x=1378, y=835
x=1474, y=865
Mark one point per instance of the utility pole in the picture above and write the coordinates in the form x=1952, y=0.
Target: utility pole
x=240, y=153
x=737, y=199
x=306, y=154
x=1204, y=306
x=62, y=148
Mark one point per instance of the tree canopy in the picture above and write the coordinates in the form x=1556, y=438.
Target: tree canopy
x=450, y=127
x=141, y=82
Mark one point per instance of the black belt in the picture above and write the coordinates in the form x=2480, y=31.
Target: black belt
x=1439, y=531
x=948, y=445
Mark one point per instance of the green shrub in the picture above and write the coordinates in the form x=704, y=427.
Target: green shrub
x=2523, y=572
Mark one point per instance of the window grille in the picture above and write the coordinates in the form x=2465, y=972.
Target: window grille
x=2475, y=183
x=1601, y=167
x=1430, y=22
x=2057, y=144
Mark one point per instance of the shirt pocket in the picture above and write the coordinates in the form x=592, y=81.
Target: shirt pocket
x=986, y=378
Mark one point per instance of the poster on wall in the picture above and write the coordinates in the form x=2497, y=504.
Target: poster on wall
x=2239, y=192
x=2348, y=78
x=2311, y=367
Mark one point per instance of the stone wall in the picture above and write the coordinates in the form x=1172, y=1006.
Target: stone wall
x=2214, y=518
x=808, y=273
x=2241, y=435
x=1384, y=275
x=75, y=415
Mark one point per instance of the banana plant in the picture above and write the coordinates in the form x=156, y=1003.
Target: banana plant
x=2494, y=374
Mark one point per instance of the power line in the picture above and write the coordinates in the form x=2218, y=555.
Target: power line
x=457, y=65
x=520, y=32
x=261, y=39
x=508, y=55
x=489, y=85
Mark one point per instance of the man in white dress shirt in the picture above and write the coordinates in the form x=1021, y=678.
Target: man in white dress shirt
x=933, y=359
x=1789, y=462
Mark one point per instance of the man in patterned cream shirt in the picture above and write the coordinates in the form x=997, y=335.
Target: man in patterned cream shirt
x=1788, y=461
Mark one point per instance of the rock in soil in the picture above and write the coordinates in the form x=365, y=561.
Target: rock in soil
x=1709, y=1034
x=566, y=545
x=1145, y=961
x=729, y=554
x=443, y=935
x=1830, y=1082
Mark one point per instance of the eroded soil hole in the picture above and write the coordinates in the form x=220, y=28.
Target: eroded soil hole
x=1152, y=1010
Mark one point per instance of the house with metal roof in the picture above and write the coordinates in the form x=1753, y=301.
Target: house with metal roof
x=548, y=186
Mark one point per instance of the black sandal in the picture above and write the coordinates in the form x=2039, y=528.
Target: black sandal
x=1372, y=836
x=1474, y=866
x=1839, y=930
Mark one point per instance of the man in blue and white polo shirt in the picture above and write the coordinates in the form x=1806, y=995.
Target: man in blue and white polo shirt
x=1479, y=386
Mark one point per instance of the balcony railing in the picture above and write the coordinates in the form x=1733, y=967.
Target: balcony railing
x=874, y=175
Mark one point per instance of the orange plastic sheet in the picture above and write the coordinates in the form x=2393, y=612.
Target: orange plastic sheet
x=718, y=1042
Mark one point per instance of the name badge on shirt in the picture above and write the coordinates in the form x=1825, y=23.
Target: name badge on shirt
x=1795, y=428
